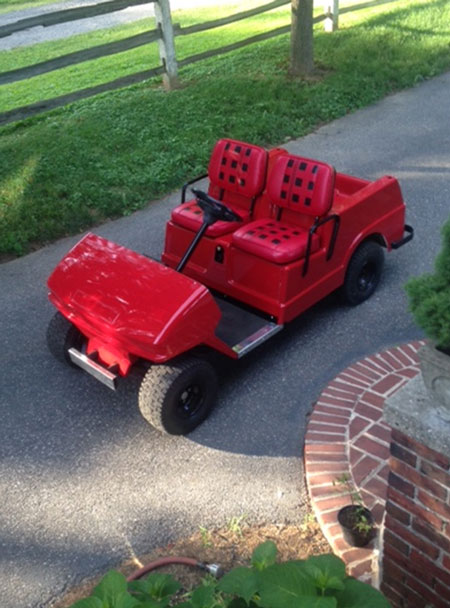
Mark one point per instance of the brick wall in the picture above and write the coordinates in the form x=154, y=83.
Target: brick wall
x=416, y=553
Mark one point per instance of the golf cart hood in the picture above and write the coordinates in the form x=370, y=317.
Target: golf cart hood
x=131, y=302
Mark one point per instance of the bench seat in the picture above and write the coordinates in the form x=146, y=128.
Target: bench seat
x=278, y=242
x=301, y=193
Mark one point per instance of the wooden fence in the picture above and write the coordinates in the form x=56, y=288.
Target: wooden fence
x=164, y=34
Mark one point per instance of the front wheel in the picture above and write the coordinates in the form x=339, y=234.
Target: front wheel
x=62, y=335
x=177, y=398
x=363, y=273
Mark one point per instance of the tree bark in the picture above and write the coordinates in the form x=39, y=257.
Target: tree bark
x=302, y=62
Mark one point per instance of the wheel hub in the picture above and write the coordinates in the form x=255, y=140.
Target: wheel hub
x=190, y=400
x=366, y=278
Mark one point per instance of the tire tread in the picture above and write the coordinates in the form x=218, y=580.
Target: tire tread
x=62, y=335
x=154, y=388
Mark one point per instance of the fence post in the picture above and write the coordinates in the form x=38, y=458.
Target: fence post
x=166, y=43
x=331, y=9
x=302, y=56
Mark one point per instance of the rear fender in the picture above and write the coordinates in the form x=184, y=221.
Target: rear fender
x=380, y=211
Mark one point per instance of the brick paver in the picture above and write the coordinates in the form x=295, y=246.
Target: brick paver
x=346, y=435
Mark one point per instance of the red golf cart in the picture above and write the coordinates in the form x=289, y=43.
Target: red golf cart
x=273, y=234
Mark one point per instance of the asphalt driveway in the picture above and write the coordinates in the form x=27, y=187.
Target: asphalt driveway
x=85, y=482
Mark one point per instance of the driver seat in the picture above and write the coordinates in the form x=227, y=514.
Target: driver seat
x=237, y=176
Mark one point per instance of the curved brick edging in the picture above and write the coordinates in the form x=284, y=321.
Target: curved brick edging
x=346, y=435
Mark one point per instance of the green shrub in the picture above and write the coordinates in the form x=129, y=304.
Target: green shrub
x=429, y=297
x=317, y=582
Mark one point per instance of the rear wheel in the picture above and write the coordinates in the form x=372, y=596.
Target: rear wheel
x=363, y=273
x=62, y=335
x=177, y=398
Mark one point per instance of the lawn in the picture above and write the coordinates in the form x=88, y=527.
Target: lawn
x=106, y=69
x=110, y=155
x=7, y=6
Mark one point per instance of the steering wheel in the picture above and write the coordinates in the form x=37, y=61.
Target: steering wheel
x=214, y=210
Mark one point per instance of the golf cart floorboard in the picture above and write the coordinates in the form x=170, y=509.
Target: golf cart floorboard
x=241, y=329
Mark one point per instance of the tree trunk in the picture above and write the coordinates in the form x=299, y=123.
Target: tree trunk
x=302, y=62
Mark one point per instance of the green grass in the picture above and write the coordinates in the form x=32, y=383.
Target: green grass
x=110, y=155
x=106, y=69
x=7, y=6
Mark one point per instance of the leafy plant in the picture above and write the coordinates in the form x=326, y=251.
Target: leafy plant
x=429, y=297
x=360, y=520
x=308, y=520
x=317, y=582
x=235, y=524
x=206, y=536
x=363, y=524
x=345, y=481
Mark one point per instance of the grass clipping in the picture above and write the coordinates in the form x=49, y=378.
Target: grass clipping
x=229, y=547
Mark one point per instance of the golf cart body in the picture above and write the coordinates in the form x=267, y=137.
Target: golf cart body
x=130, y=305
x=274, y=234
x=266, y=263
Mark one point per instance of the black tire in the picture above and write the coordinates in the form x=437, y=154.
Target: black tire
x=62, y=335
x=176, y=398
x=363, y=273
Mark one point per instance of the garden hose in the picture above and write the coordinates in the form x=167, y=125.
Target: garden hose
x=213, y=569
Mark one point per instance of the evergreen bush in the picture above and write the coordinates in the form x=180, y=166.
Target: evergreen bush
x=429, y=297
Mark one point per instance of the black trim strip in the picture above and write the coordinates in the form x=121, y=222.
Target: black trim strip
x=185, y=186
x=410, y=233
x=337, y=220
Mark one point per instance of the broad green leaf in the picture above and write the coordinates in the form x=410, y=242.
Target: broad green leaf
x=240, y=581
x=328, y=563
x=203, y=597
x=89, y=602
x=238, y=602
x=144, y=601
x=327, y=571
x=357, y=594
x=333, y=583
x=109, y=588
x=264, y=555
x=156, y=586
x=285, y=585
x=319, y=602
x=125, y=600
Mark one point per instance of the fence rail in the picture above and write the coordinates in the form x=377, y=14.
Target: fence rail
x=209, y=25
x=69, y=14
x=163, y=34
x=236, y=45
x=102, y=50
